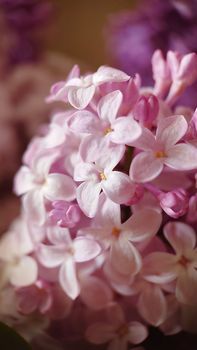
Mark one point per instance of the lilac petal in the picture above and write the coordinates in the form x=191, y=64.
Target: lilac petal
x=95, y=293
x=186, y=288
x=125, y=258
x=85, y=171
x=105, y=74
x=126, y=130
x=145, y=167
x=59, y=186
x=109, y=105
x=91, y=146
x=118, y=187
x=85, y=249
x=80, y=97
x=24, y=273
x=149, y=296
x=137, y=333
x=108, y=213
x=42, y=164
x=88, y=197
x=24, y=181
x=33, y=204
x=182, y=157
x=146, y=140
x=84, y=122
x=51, y=256
x=100, y=333
x=181, y=236
x=68, y=278
x=170, y=130
x=136, y=229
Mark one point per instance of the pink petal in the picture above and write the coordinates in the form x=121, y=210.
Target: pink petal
x=182, y=157
x=109, y=105
x=55, y=137
x=137, y=333
x=146, y=140
x=85, y=249
x=118, y=343
x=33, y=204
x=105, y=74
x=142, y=224
x=126, y=130
x=125, y=258
x=24, y=273
x=170, y=130
x=51, y=256
x=99, y=333
x=159, y=267
x=23, y=181
x=42, y=164
x=115, y=315
x=88, y=197
x=84, y=122
x=181, y=236
x=152, y=296
x=95, y=293
x=80, y=97
x=118, y=187
x=108, y=213
x=91, y=146
x=68, y=278
x=145, y=167
x=59, y=186
x=58, y=235
x=85, y=171
x=110, y=156
x=186, y=288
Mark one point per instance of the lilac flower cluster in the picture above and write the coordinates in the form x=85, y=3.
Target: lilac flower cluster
x=106, y=244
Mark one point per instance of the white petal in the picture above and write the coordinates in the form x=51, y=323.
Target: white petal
x=182, y=157
x=24, y=273
x=145, y=167
x=68, y=278
x=170, y=130
x=108, y=106
x=88, y=197
x=118, y=187
x=59, y=187
x=126, y=130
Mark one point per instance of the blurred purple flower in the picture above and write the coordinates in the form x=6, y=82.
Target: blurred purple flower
x=24, y=19
x=134, y=35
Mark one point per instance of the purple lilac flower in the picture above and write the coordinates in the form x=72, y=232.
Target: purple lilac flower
x=133, y=36
x=24, y=18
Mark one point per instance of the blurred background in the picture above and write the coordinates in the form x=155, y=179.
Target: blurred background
x=81, y=28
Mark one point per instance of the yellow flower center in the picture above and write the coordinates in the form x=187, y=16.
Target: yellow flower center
x=102, y=176
x=183, y=261
x=107, y=131
x=122, y=330
x=116, y=232
x=160, y=154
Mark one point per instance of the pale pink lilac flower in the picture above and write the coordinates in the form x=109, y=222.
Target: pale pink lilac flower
x=180, y=266
x=121, y=238
x=37, y=184
x=163, y=149
x=65, y=253
x=106, y=126
x=116, y=331
x=99, y=175
x=79, y=91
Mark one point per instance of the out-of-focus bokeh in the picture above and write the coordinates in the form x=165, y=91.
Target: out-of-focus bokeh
x=80, y=32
